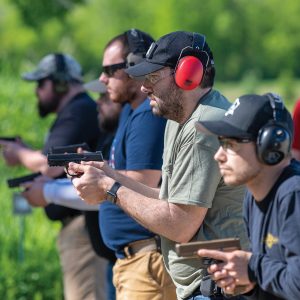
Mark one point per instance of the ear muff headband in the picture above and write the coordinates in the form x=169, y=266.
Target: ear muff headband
x=137, y=47
x=189, y=70
x=60, y=77
x=274, y=140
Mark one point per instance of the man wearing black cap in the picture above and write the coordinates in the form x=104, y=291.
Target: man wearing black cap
x=255, y=136
x=193, y=202
x=60, y=91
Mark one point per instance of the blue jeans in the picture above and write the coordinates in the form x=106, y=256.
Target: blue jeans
x=200, y=297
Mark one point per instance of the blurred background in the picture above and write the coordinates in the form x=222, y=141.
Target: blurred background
x=256, y=45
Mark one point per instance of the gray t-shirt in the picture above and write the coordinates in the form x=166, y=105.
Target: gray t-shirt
x=191, y=176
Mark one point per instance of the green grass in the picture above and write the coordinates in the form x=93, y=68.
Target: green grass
x=38, y=276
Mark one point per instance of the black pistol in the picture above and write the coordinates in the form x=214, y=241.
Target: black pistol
x=56, y=160
x=69, y=148
x=16, y=182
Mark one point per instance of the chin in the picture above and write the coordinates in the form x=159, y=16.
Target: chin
x=231, y=181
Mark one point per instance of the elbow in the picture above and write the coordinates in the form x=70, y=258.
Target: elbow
x=182, y=237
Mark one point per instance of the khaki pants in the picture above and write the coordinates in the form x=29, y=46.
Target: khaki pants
x=143, y=277
x=83, y=271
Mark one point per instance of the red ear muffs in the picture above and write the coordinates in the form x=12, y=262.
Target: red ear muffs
x=189, y=72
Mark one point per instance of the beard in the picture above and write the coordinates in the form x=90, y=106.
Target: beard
x=45, y=108
x=170, y=104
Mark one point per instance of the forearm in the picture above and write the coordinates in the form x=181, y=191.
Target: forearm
x=31, y=159
x=62, y=192
x=276, y=277
x=37, y=162
x=173, y=221
x=136, y=186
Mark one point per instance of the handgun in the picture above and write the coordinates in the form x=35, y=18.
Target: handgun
x=191, y=249
x=16, y=182
x=69, y=148
x=55, y=160
x=9, y=138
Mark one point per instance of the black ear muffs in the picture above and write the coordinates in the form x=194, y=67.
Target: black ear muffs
x=273, y=144
x=60, y=76
x=137, y=47
x=274, y=140
x=190, y=69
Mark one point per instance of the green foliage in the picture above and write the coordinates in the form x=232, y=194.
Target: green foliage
x=38, y=276
x=37, y=12
x=261, y=36
x=286, y=80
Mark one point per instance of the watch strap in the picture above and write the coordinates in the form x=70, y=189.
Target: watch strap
x=112, y=193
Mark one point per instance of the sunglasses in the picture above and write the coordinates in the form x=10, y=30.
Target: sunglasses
x=153, y=79
x=41, y=82
x=233, y=145
x=111, y=69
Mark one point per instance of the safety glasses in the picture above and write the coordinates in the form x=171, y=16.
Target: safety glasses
x=232, y=145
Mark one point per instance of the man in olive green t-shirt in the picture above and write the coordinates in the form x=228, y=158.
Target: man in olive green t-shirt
x=193, y=203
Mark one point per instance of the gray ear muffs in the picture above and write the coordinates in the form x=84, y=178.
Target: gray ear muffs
x=274, y=140
x=60, y=77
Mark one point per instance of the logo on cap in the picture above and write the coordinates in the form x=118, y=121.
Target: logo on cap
x=233, y=107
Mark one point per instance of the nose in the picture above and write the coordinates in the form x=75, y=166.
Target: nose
x=220, y=155
x=146, y=89
x=103, y=78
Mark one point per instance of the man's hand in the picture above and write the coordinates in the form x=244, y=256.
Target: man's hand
x=232, y=274
x=10, y=152
x=102, y=165
x=91, y=183
x=34, y=191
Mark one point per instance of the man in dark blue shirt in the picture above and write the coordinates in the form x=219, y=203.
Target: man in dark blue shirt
x=255, y=136
x=60, y=91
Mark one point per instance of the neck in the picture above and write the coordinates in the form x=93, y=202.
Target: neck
x=138, y=98
x=262, y=184
x=73, y=91
x=191, y=100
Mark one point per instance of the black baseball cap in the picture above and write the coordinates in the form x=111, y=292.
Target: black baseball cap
x=246, y=116
x=166, y=51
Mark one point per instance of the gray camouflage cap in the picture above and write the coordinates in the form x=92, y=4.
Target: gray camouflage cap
x=48, y=66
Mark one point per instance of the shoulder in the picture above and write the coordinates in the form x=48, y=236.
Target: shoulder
x=82, y=101
x=289, y=186
x=144, y=115
x=213, y=107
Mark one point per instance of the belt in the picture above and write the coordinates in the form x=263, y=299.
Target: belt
x=152, y=244
x=208, y=288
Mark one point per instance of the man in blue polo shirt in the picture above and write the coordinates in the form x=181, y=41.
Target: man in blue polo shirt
x=136, y=151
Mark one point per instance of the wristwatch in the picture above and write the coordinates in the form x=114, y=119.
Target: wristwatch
x=111, y=195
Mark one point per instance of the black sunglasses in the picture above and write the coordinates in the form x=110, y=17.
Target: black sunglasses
x=41, y=82
x=111, y=69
